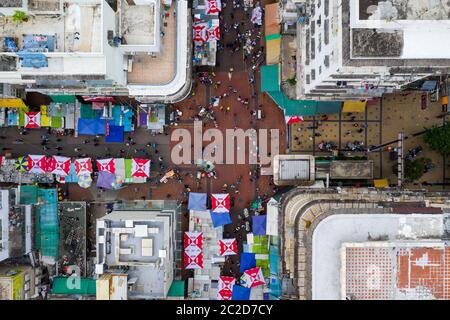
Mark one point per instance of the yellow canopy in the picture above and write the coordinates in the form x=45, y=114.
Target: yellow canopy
x=46, y=121
x=354, y=106
x=273, y=51
x=12, y=103
x=381, y=183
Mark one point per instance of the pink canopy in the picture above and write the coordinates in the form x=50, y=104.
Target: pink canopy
x=37, y=164
x=83, y=166
x=106, y=165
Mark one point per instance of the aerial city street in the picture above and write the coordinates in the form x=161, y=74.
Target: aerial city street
x=224, y=150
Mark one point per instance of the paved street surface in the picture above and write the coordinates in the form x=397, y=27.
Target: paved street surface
x=242, y=181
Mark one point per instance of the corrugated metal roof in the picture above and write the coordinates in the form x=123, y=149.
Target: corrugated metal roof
x=294, y=170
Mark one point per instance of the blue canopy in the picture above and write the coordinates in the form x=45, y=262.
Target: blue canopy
x=220, y=219
x=259, y=225
x=91, y=127
x=248, y=261
x=197, y=201
x=240, y=293
x=115, y=134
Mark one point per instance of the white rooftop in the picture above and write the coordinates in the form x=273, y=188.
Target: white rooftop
x=337, y=229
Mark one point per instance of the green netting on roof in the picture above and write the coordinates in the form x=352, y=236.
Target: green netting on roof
x=270, y=83
x=28, y=194
x=48, y=222
x=260, y=245
x=86, y=112
x=273, y=36
x=56, y=122
x=67, y=285
x=63, y=98
x=176, y=289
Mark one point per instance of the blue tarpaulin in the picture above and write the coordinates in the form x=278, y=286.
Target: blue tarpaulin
x=38, y=43
x=197, y=201
x=259, y=225
x=220, y=219
x=240, y=293
x=248, y=261
x=33, y=60
x=10, y=44
x=115, y=134
x=91, y=126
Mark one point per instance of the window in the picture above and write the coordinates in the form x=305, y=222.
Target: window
x=313, y=48
x=308, y=79
x=326, y=30
x=326, y=61
x=326, y=8
x=313, y=74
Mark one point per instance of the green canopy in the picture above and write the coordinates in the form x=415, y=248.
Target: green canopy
x=270, y=83
x=63, y=98
x=65, y=285
x=176, y=289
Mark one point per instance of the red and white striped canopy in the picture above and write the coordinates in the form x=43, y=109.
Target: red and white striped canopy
x=200, y=33
x=59, y=165
x=228, y=247
x=32, y=120
x=83, y=166
x=220, y=202
x=37, y=164
x=252, y=278
x=225, y=288
x=106, y=165
x=140, y=168
x=213, y=6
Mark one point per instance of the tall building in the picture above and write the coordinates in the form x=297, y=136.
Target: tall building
x=86, y=47
x=359, y=49
x=141, y=245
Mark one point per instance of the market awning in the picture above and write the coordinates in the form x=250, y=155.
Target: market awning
x=273, y=50
x=354, y=106
x=270, y=78
x=12, y=103
x=63, y=98
x=381, y=183
x=271, y=19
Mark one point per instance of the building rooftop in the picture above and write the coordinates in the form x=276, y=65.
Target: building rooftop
x=351, y=169
x=398, y=29
x=137, y=22
x=335, y=230
x=293, y=169
x=76, y=27
x=141, y=244
x=395, y=270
